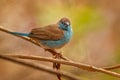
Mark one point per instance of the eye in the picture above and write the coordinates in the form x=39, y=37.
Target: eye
x=63, y=23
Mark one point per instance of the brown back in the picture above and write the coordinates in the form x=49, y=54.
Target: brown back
x=50, y=32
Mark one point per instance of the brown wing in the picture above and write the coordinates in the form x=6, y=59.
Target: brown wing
x=50, y=32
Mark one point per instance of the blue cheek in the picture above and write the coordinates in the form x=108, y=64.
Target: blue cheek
x=63, y=27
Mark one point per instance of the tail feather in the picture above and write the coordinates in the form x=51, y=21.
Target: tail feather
x=21, y=34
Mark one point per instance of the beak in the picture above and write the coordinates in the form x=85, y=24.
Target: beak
x=67, y=23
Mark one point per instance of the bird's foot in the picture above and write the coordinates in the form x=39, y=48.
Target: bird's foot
x=57, y=66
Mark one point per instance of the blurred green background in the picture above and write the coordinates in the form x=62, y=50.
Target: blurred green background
x=96, y=39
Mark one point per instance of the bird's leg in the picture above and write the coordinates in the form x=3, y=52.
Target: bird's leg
x=57, y=65
x=56, y=55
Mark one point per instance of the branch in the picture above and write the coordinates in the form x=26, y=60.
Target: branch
x=112, y=67
x=34, y=42
x=70, y=63
x=39, y=67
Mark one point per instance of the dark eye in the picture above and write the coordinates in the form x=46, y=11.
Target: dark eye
x=63, y=23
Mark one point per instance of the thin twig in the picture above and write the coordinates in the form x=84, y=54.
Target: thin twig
x=70, y=63
x=34, y=42
x=39, y=67
x=112, y=67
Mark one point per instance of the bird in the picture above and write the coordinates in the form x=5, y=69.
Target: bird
x=53, y=36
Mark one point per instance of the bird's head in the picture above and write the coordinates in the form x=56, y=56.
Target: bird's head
x=64, y=23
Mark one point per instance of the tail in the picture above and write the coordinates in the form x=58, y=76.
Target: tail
x=21, y=34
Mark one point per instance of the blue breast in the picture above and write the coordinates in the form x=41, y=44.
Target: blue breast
x=58, y=43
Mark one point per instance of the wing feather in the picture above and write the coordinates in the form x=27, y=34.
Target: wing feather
x=50, y=32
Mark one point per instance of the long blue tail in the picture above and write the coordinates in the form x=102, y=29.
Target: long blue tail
x=21, y=34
